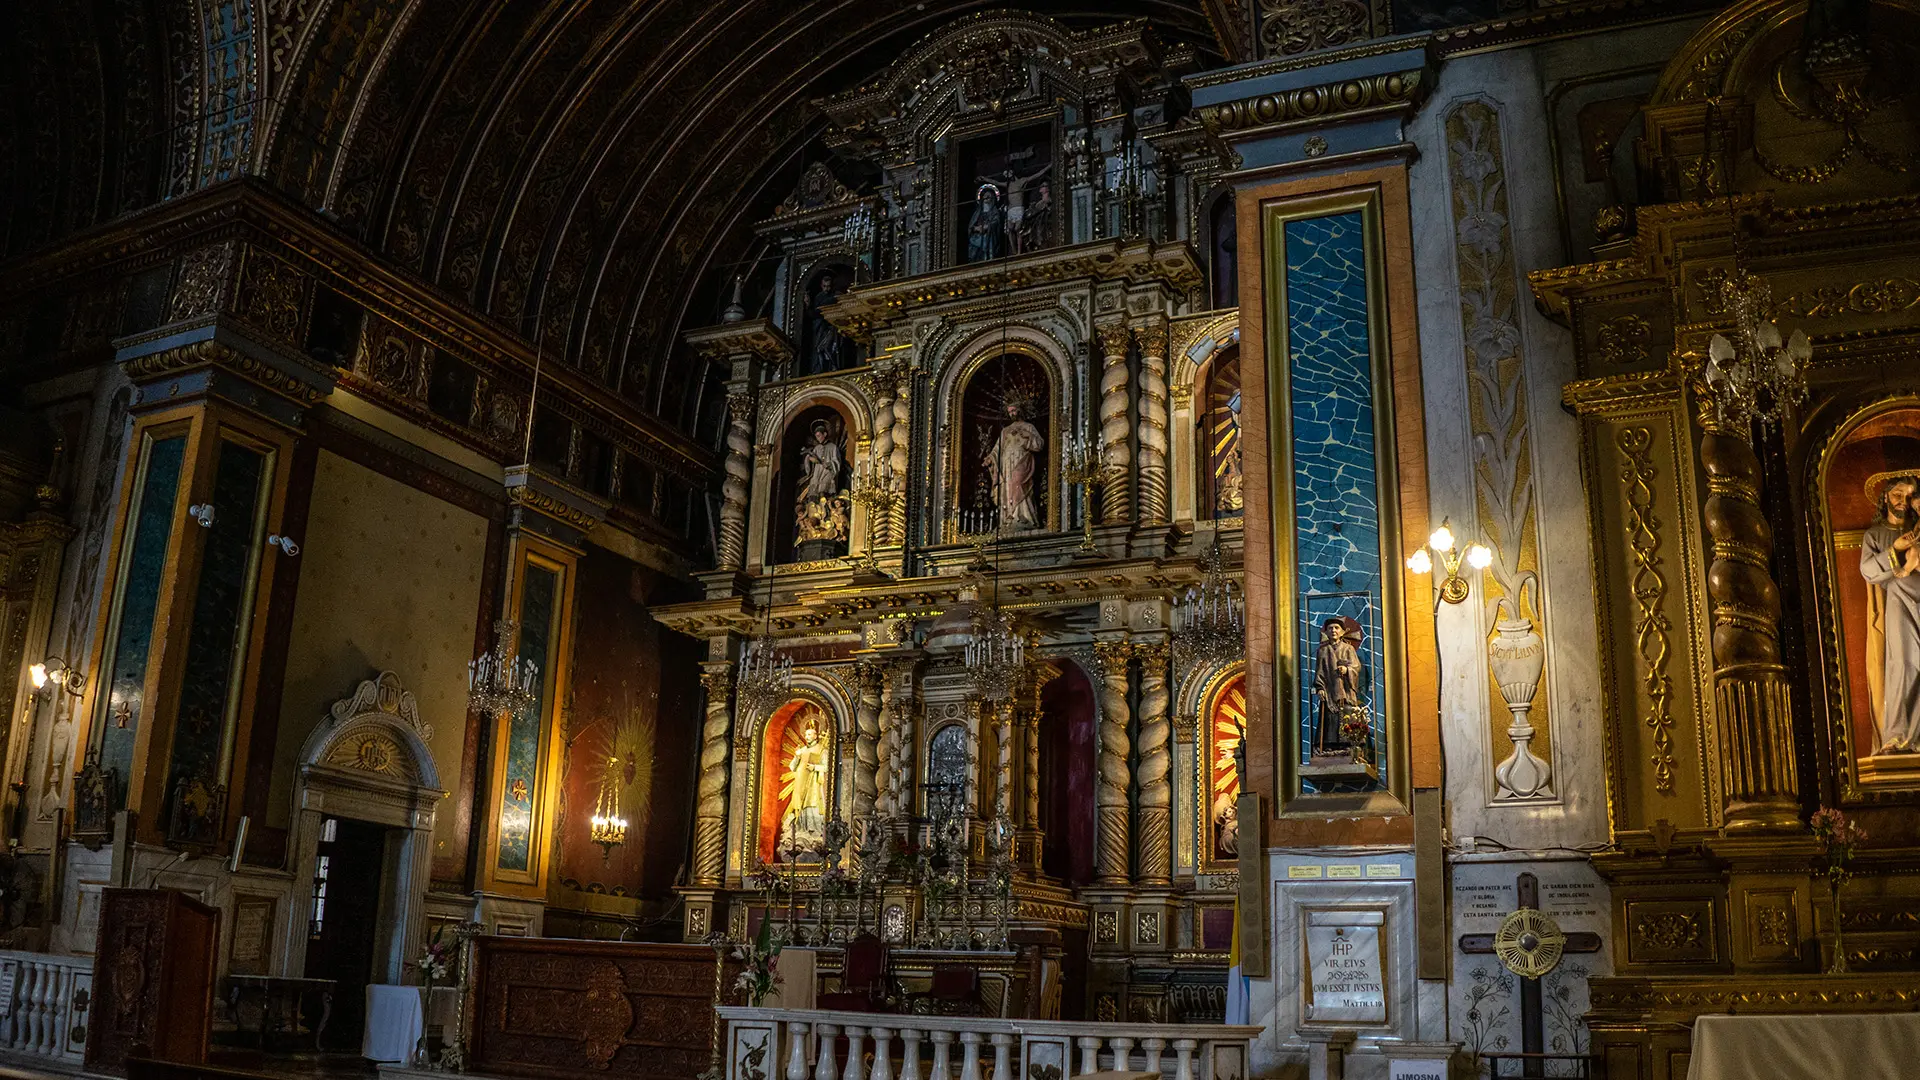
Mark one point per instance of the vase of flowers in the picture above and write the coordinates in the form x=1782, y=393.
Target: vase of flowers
x=1838, y=838
x=1356, y=727
x=761, y=959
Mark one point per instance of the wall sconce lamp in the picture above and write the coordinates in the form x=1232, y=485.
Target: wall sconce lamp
x=1453, y=588
x=55, y=670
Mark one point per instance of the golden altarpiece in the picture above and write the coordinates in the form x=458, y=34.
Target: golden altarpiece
x=1747, y=636
x=996, y=390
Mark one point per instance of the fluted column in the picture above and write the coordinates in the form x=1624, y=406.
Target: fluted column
x=1115, y=427
x=866, y=743
x=1155, y=508
x=1759, y=788
x=1110, y=861
x=739, y=478
x=1156, y=767
x=710, y=802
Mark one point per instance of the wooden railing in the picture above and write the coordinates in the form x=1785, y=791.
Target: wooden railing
x=48, y=1017
x=793, y=1044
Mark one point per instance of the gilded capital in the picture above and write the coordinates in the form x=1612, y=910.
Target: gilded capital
x=1111, y=656
x=716, y=683
x=1114, y=338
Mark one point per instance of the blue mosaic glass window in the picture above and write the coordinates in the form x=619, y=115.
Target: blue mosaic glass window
x=1336, y=498
x=132, y=641
x=215, y=646
x=539, y=596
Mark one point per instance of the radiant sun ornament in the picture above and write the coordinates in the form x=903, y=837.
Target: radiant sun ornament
x=1529, y=943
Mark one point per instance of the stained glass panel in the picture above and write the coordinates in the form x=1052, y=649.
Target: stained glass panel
x=132, y=641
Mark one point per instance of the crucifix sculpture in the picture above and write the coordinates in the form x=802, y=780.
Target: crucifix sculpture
x=1529, y=944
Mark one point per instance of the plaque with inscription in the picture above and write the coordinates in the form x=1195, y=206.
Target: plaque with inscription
x=1345, y=973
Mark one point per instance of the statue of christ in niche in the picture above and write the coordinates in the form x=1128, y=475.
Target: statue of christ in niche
x=1011, y=465
x=1890, y=563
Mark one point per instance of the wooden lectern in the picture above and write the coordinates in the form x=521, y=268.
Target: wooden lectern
x=153, y=972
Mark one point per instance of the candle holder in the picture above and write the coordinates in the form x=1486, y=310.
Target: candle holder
x=979, y=530
x=873, y=492
x=1086, y=467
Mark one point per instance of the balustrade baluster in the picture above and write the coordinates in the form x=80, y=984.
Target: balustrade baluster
x=56, y=1011
x=1183, y=1063
x=856, y=1054
x=1122, y=1047
x=942, y=1046
x=970, y=1055
x=1002, y=1055
x=824, y=1067
x=1090, y=1054
x=882, y=1046
x=10, y=1023
x=910, y=1054
x=36, y=1013
x=1153, y=1048
x=797, y=1032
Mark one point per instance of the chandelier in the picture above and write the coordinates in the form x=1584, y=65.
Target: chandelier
x=1209, y=623
x=1754, y=375
x=996, y=656
x=606, y=827
x=766, y=676
x=499, y=682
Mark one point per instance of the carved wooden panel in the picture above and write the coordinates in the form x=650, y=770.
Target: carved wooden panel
x=153, y=978
x=553, y=1008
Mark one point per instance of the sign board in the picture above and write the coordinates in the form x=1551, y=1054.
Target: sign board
x=1346, y=975
x=1418, y=1069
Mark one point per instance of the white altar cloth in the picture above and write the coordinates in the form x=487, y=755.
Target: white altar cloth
x=1810, y=1046
x=394, y=1021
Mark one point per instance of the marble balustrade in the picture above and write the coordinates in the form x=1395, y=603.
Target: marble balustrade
x=44, y=1020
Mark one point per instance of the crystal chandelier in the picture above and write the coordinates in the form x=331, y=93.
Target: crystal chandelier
x=766, y=676
x=1755, y=375
x=499, y=682
x=1209, y=623
x=996, y=656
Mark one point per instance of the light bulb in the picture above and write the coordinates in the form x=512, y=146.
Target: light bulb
x=1441, y=540
x=1420, y=562
x=39, y=674
x=1479, y=556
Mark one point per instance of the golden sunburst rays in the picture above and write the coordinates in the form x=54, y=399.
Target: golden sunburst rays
x=625, y=754
x=792, y=737
x=1229, y=721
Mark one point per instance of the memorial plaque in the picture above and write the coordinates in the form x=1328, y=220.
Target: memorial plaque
x=1346, y=974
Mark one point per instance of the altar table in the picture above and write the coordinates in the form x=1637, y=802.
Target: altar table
x=395, y=1022
x=1810, y=1046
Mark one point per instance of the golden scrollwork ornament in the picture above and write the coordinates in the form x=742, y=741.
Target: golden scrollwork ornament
x=1529, y=943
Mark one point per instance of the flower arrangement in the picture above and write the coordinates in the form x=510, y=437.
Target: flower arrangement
x=1838, y=838
x=761, y=959
x=1356, y=726
x=835, y=881
x=436, y=964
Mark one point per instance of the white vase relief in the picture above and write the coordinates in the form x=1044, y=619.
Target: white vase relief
x=1518, y=656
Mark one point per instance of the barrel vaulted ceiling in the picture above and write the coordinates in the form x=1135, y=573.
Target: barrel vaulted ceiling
x=581, y=169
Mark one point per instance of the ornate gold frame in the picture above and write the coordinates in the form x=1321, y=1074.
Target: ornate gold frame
x=1209, y=699
x=1391, y=682
x=953, y=441
x=750, y=860
x=1824, y=569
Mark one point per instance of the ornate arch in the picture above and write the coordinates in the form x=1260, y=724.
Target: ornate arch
x=956, y=373
x=368, y=760
x=809, y=688
x=1196, y=348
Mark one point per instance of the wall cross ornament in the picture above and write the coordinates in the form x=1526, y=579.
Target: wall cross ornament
x=1530, y=959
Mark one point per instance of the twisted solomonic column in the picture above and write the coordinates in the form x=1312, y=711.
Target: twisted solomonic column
x=902, y=459
x=1003, y=765
x=1115, y=426
x=710, y=800
x=882, y=449
x=1154, y=487
x=1110, y=797
x=1156, y=767
x=1759, y=785
x=739, y=476
x=866, y=743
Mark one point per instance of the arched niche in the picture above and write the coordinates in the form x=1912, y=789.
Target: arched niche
x=368, y=761
x=1223, y=722
x=1217, y=458
x=823, y=349
x=1874, y=640
x=811, y=513
x=784, y=755
x=1002, y=422
x=1069, y=748
x=1223, y=255
x=1208, y=361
